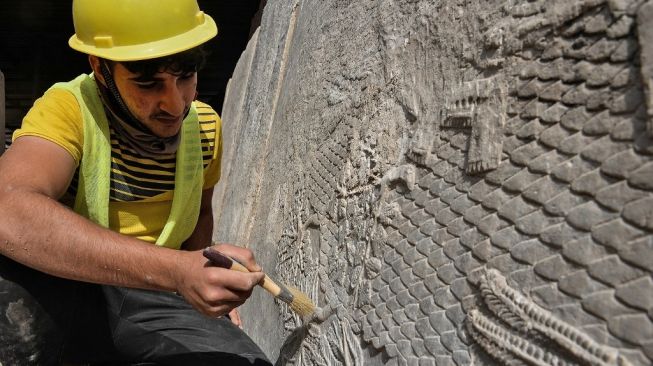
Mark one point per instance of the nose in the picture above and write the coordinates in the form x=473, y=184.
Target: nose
x=172, y=100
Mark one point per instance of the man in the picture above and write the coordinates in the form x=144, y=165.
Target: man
x=135, y=156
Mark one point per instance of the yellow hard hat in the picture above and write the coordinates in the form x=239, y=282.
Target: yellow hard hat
x=129, y=30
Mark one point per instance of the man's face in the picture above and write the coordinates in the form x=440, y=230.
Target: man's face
x=159, y=102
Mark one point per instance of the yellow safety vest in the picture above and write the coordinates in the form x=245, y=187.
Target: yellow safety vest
x=92, y=200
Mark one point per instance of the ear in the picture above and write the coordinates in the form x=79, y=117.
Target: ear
x=96, y=66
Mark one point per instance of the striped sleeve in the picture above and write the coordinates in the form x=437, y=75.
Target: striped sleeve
x=211, y=139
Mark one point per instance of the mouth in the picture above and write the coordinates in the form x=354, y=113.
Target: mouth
x=168, y=120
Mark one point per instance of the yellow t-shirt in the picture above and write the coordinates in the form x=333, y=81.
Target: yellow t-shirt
x=141, y=189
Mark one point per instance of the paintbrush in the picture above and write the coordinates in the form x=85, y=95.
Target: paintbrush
x=297, y=300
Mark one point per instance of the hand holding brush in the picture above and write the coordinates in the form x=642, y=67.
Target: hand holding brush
x=297, y=300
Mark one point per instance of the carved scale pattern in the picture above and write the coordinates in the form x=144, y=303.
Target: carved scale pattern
x=562, y=215
x=562, y=210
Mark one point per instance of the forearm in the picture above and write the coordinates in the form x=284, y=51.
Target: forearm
x=39, y=232
x=43, y=234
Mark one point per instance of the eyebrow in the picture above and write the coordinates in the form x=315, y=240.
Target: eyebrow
x=145, y=79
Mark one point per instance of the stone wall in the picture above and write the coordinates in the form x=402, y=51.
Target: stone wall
x=452, y=182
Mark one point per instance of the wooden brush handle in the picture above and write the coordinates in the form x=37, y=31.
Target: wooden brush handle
x=220, y=260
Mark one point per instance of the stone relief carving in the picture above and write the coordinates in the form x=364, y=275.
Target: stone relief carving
x=523, y=315
x=644, y=18
x=478, y=105
x=514, y=224
x=544, y=96
x=314, y=248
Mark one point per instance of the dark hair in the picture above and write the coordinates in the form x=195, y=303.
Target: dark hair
x=189, y=61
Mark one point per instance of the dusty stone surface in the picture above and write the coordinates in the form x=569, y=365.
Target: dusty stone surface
x=453, y=183
x=26, y=329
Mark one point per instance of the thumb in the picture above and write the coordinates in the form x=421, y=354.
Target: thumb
x=260, y=276
x=257, y=278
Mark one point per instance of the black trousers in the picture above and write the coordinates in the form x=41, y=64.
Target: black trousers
x=45, y=320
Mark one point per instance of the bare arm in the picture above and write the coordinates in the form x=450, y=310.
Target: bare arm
x=39, y=232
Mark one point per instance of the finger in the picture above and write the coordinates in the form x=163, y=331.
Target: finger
x=227, y=296
x=220, y=310
x=242, y=255
x=234, y=281
x=234, y=315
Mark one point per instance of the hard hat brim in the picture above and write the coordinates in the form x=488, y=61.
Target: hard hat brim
x=156, y=49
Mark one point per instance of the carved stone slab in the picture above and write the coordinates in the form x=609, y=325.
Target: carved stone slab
x=452, y=183
x=645, y=33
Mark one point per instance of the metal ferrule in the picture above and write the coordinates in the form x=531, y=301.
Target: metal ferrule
x=285, y=294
